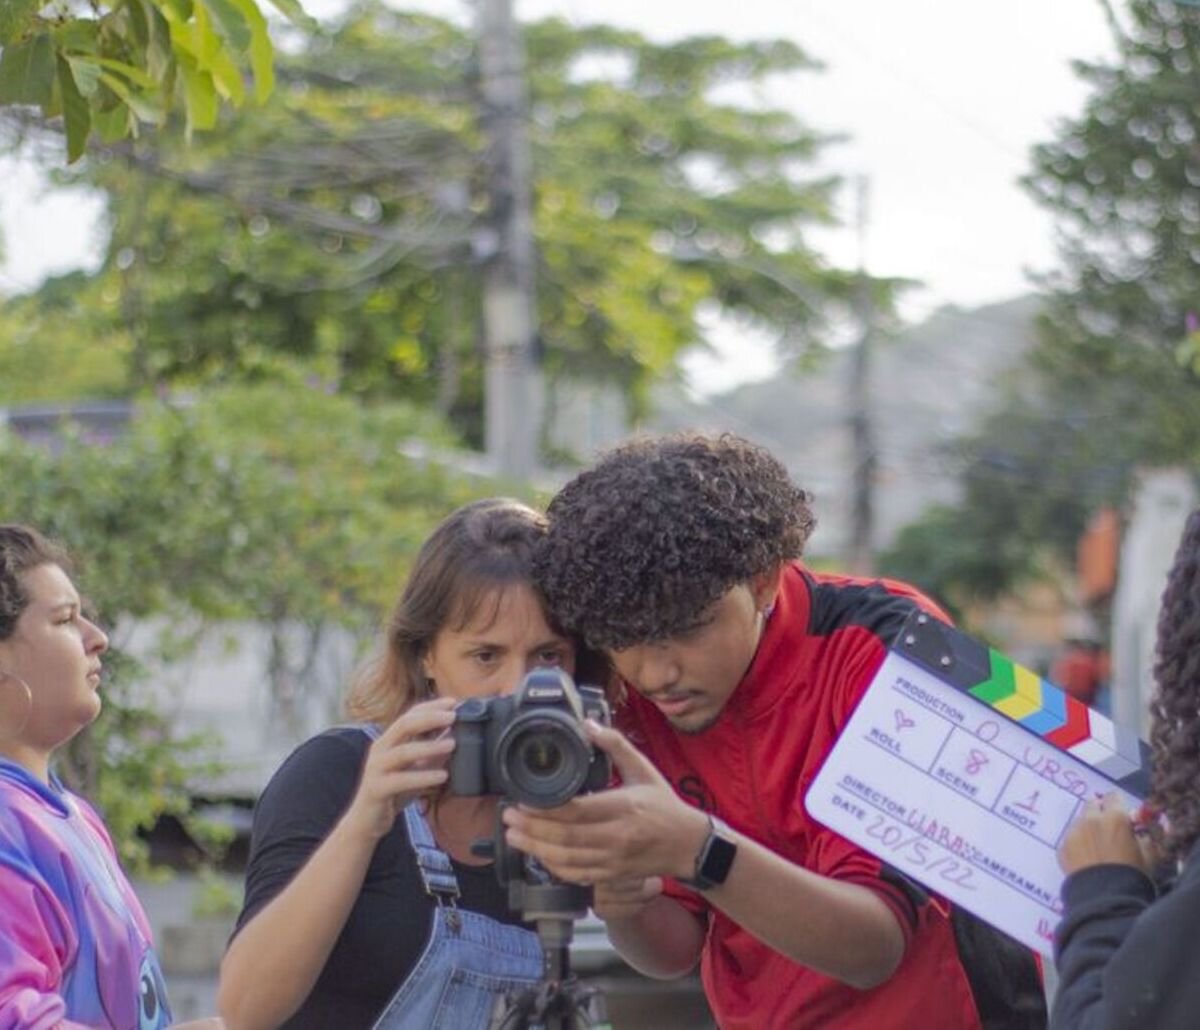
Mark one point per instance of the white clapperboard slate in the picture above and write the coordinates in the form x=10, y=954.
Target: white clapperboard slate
x=962, y=770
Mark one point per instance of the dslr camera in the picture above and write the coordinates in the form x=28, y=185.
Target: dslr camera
x=530, y=746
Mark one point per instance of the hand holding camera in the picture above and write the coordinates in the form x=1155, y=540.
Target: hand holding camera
x=638, y=830
x=408, y=760
x=625, y=899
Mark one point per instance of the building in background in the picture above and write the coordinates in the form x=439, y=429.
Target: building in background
x=1161, y=504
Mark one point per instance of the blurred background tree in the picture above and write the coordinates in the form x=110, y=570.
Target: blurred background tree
x=340, y=227
x=304, y=281
x=309, y=272
x=1114, y=381
x=276, y=504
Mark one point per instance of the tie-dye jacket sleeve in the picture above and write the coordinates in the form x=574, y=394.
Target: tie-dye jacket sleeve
x=37, y=943
x=75, y=946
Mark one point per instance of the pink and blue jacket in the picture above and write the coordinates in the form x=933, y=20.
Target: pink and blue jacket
x=75, y=945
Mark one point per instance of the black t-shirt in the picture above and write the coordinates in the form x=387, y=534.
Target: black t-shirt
x=390, y=922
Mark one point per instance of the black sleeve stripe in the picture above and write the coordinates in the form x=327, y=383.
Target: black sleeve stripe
x=912, y=891
x=869, y=606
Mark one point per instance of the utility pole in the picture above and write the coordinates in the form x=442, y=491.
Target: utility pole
x=512, y=381
x=860, y=557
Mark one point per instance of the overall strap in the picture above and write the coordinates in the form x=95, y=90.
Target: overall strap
x=371, y=729
x=434, y=864
x=437, y=874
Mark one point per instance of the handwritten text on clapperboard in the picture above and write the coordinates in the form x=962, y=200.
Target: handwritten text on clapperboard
x=957, y=797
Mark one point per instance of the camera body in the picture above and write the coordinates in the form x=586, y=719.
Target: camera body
x=530, y=746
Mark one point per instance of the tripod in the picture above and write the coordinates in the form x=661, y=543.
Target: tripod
x=558, y=1001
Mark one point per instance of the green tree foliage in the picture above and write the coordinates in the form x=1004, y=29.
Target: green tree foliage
x=342, y=226
x=283, y=506
x=110, y=66
x=1114, y=381
x=325, y=250
x=66, y=340
x=1122, y=180
x=1031, y=476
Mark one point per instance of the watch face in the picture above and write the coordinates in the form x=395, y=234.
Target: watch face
x=718, y=860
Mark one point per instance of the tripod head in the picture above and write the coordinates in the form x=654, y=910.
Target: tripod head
x=558, y=1001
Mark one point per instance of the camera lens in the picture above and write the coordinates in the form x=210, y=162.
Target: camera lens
x=543, y=759
x=541, y=756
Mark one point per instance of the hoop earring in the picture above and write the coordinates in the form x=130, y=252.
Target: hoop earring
x=24, y=703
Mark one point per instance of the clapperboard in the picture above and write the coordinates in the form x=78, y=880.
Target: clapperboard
x=963, y=769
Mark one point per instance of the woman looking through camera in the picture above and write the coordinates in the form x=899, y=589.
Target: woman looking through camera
x=364, y=904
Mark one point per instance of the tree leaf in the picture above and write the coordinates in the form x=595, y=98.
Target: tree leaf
x=261, y=52
x=295, y=13
x=77, y=117
x=197, y=40
x=159, y=56
x=231, y=22
x=227, y=77
x=81, y=36
x=138, y=23
x=173, y=10
x=367, y=250
x=15, y=18
x=147, y=108
x=112, y=124
x=86, y=72
x=135, y=75
x=27, y=72
x=200, y=98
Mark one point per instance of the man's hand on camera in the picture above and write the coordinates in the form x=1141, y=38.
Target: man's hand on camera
x=625, y=899
x=638, y=830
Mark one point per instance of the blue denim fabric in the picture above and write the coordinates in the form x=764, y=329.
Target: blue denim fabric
x=463, y=973
x=470, y=961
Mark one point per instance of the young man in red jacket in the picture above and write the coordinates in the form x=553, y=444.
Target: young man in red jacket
x=679, y=557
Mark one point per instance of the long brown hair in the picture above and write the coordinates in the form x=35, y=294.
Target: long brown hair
x=476, y=550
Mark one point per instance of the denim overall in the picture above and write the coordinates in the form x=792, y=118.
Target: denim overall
x=470, y=960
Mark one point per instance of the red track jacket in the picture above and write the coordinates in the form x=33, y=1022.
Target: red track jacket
x=822, y=645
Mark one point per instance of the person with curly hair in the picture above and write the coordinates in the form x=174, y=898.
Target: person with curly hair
x=1124, y=953
x=680, y=557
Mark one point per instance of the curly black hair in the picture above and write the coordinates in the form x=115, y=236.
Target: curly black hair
x=1175, y=735
x=642, y=543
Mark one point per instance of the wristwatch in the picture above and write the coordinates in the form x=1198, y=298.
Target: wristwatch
x=715, y=857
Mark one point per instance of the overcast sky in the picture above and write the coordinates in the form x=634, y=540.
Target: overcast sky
x=941, y=102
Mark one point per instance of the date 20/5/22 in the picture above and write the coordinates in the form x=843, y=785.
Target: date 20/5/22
x=920, y=852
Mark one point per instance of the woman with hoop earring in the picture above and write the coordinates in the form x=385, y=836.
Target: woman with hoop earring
x=75, y=944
